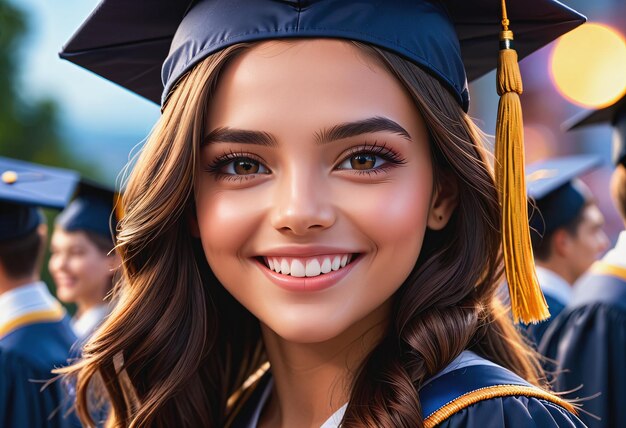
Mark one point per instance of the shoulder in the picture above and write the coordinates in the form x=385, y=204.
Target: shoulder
x=604, y=284
x=41, y=344
x=517, y=411
x=483, y=393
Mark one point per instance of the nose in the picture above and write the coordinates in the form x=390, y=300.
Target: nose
x=302, y=204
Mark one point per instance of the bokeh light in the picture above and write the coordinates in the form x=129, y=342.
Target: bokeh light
x=587, y=65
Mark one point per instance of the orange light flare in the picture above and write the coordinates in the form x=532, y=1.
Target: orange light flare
x=588, y=65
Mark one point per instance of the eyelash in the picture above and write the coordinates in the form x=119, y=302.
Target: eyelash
x=391, y=158
x=221, y=161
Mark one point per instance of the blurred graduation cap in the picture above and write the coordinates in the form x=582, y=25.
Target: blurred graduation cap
x=93, y=209
x=24, y=187
x=556, y=192
x=615, y=115
x=147, y=46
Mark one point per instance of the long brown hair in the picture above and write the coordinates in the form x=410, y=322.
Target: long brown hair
x=178, y=345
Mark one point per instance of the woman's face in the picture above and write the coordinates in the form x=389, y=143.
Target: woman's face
x=81, y=271
x=315, y=186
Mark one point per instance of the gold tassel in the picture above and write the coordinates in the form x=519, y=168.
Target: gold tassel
x=527, y=301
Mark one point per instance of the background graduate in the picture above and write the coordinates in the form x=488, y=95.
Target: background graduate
x=588, y=339
x=566, y=229
x=82, y=261
x=313, y=232
x=35, y=335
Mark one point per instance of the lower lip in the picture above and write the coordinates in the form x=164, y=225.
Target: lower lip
x=308, y=284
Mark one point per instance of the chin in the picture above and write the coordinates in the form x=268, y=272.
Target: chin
x=305, y=327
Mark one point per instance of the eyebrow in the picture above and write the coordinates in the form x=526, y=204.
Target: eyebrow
x=360, y=127
x=336, y=132
x=242, y=136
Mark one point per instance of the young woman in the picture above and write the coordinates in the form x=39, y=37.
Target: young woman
x=319, y=206
x=82, y=261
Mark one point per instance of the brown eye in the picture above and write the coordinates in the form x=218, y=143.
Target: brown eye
x=246, y=166
x=362, y=161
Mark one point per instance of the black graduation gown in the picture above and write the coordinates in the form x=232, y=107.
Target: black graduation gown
x=27, y=355
x=515, y=411
x=588, y=342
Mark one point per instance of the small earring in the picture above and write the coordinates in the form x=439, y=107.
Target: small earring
x=440, y=217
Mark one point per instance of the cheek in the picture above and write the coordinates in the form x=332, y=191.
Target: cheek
x=227, y=220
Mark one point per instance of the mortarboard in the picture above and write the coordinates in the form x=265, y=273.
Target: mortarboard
x=92, y=209
x=558, y=195
x=24, y=187
x=146, y=46
x=615, y=115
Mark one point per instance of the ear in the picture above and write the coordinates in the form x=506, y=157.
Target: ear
x=561, y=243
x=444, y=201
x=192, y=221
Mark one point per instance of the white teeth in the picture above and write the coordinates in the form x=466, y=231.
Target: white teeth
x=297, y=268
x=309, y=267
x=326, y=267
x=312, y=267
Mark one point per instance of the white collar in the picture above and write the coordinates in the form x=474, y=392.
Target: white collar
x=617, y=255
x=28, y=303
x=465, y=359
x=89, y=320
x=554, y=285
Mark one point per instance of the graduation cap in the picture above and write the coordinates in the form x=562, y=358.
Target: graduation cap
x=93, y=209
x=556, y=192
x=147, y=46
x=24, y=187
x=615, y=115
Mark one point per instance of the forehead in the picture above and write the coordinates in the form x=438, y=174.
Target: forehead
x=306, y=81
x=62, y=237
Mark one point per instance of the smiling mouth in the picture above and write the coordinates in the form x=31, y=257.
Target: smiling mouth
x=300, y=267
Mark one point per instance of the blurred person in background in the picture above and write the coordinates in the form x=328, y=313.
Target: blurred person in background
x=588, y=339
x=566, y=229
x=82, y=261
x=35, y=334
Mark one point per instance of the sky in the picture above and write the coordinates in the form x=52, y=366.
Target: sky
x=98, y=117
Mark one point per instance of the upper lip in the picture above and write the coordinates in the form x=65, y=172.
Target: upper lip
x=306, y=251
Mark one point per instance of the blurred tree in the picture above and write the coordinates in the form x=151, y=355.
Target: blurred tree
x=29, y=129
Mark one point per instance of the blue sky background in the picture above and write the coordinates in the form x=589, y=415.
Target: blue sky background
x=99, y=119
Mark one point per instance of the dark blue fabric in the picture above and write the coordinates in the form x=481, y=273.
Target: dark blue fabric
x=418, y=30
x=36, y=185
x=509, y=412
x=17, y=221
x=588, y=342
x=128, y=42
x=27, y=355
x=513, y=412
x=535, y=332
x=87, y=214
